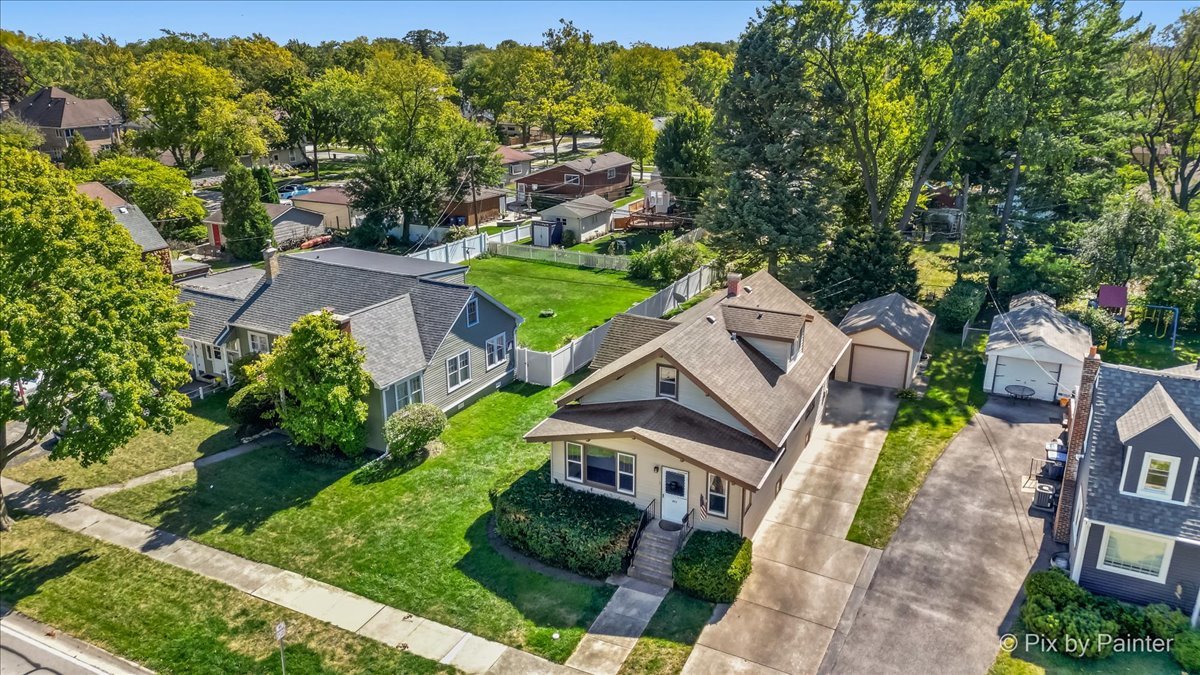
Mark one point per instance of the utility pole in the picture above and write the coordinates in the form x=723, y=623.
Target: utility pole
x=474, y=189
x=962, y=225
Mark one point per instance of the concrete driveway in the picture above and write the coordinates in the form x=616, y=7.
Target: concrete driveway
x=946, y=585
x=807, y=580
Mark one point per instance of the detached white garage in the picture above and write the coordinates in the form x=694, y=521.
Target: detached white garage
x=887, y=336
x=1035, y=351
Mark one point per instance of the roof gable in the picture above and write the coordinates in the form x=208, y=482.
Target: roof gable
x=627, y=332
x=1154, y=408
x=764, y=323
x=57, y=108
x=1038, y=323
x=895, y=315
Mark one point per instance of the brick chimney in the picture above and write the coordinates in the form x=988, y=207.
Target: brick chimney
x=1080, y=416
x=271, y=257
x=733, y=283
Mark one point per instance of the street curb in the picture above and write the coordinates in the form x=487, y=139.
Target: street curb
x=87, y=655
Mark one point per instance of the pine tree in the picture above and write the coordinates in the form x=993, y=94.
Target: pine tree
x=78, y=155
x=266, y=185
x=864, y=262
x=775, y=200
x=247, y=229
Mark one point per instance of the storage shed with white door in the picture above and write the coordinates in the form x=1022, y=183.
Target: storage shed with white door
x=1035, y=351
x=887, y=336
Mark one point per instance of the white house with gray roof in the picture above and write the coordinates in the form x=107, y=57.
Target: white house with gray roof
x=887, y=335
x=1035, y=351
x=427, y=336
x=586, y=218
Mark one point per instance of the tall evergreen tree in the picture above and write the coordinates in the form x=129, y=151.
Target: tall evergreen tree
x=78, y=155
x=247, y=229
x=864, y=262
x=684, y=156
x=776, y=199
x=266, y=184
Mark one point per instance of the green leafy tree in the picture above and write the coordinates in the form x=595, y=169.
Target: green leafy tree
x=864, y=262
x=87, y=314
x=262, y=65
x=45, y=63
x=647, y=79
x=78, y=155
x=629, y=132
x=486, y=81
x=231, y=128
x=14, y=79
x=109, y=66
x=577, y=60
x=705, y=72
x=683, y=154
x=1123, y=242
x=776, y=198
x=428, y=43
x=1039, y=267
x=162, y=192
x=541, y=97
x=175, y=90
x=266, y=184
x=337, y=107
x=247, y=229
x=318, y=370
x=18, y=133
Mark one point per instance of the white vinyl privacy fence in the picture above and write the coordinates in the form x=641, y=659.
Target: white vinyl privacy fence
x=558, y=255
x=547, y=368
x=471, y=247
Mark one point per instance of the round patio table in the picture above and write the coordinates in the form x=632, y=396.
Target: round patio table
x=1019, y=392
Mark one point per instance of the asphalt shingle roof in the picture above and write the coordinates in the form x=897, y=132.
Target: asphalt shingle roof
x=54, y=107
x=233, y=283
x=140, y=228
x=895, y=315
x=1119, y=389
x=1031, y=298
x=1155, y=407
x=602, y=162
x=386, y=332
x=380, y=262
x=208, y=315
x=1038, y=323
x=763, y=323
x=627, y=332
x=328, y=195
x=582, y=207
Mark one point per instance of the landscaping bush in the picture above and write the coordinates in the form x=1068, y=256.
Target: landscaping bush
x=568, y=238
x=1164, y=622
x=192, y=234
x=1186, y=650
x=243, y=368
x=411, y=428
x=1104, y=326
x=457, y=233
x=1082, y=628
x=666, y=261
x=578, y=531
x=1130, y=619
x=713, y=565
x=252, y=407
x=1055, y=585
x=960, y=304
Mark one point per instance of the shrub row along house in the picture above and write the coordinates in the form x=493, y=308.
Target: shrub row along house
x=702, y=417
x=427, y=336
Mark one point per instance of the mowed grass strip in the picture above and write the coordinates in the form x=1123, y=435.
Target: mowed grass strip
x=669, y=637
x=921, y=431
x=168, y=619
x=205, y=430
x=581, y=298
x=416, y=540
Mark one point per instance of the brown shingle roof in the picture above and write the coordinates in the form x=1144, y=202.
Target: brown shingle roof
x=669, y=427
x=512, y=155
x=764, y=322
x=329, y=195
x=96, y=190
x=895, y=315
x=627, y=332
x=54, y=107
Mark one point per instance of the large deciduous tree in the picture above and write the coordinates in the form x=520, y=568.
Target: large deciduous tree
x=647, y=79
x=683, y=154
x=1121, y=244
x=318, y=371
x=337, y=107
x=247, y=229
x=163, y=193
x=705, y=72
x=629, y=132
x=85, y=313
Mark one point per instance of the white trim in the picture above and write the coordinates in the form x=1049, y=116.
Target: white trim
x=250, y=335
x=658, y=381
x=1196, y=612
x=709, y=493
x=567, y=462
x=487, y=350
x=1125, y=469
x=632, y=474
x=1169, y=493
x=612, y=173
x=1166, y=562
x=1077, y=563
x=473, y=303
x=461, y=382
x=1187, y=496
x=567, y=179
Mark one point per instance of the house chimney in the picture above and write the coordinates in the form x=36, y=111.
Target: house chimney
x=1080, y=416
x=733, y=283
x=271, y=257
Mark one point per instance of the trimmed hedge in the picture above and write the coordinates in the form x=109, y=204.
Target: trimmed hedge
x=713, y=565
x=960, y=304
x=582, y=532
x=1186, y=650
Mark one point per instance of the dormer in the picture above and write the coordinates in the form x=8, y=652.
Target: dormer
x=778, y=336
x=1162, y=449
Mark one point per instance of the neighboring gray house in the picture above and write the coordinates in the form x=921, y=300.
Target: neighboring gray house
x=1130, y=488
x=427, y=337
x=291, y=225
x=134, y=220
x=59, y=115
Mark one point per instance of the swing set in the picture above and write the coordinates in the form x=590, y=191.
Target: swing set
x=1163, y=320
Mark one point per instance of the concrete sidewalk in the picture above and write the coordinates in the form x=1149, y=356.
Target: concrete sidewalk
x=616, y=630
x=389, y=625
x=28, y=646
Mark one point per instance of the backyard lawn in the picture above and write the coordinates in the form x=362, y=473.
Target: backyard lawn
x=1144, y=349
x=633, y=239
x=169, y=619
x=921, y=431
x=205, y=430
x=416, y=540
x=669, y=637
x=581, y=298
x=634, y=195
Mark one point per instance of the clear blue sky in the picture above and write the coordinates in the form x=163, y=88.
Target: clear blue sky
x=666, y=24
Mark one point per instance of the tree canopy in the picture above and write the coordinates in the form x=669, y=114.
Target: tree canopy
x=247, y=229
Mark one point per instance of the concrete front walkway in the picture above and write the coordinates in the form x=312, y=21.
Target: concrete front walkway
x=947, y=583
x=389, y=625
x=808, y=581
x=615, y=632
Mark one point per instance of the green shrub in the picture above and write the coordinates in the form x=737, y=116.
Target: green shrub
x=1186, y=650
x=568, y=238
x=192, y=234
x=713, y=565
x=252, y=406
x=242, y=369
x=457, y=233
x=1104, y=327
x=1164, y=622
x=1082, y=629
x=1130, y=619
x=960, y=304
x=412, y=428
x=669, y=260
x=1055, y=585
x=578, y=531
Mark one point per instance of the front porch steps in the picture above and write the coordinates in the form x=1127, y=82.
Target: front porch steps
x=653, y=556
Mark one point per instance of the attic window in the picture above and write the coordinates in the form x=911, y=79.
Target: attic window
x=1157, y=479
x=612, y=173
x=668, y=382
x=472, y=312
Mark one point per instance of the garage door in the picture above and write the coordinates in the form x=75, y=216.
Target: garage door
x=1042, y=377
x=878, y=366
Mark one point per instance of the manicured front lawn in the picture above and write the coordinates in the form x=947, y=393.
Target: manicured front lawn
x=669, y=637
x=417, y=540
x=921, y=431
x=581, y=298
x=634, y=239
x=1146, y=350
x=207, y=429
x=169, y=619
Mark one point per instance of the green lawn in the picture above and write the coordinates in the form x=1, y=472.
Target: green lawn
x=416, y=540
x=633, y=241
x=207, y=429
x=921, y=431
x=1145, y=349
x=169, y=619
x=635, y=194
x=668, y=639
x=1035, y=661
x=935, y=263
x=581, y=298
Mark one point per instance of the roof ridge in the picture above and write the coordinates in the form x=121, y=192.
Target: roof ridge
x=379, y=304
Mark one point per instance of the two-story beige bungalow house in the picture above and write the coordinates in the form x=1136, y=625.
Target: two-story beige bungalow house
x=701, y=417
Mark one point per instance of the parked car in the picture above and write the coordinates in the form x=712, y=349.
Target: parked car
x=24, y=388
x=289, y=191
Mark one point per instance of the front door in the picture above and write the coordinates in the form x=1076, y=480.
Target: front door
x=674, y=495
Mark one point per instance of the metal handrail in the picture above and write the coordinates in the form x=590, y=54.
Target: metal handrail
x=689, y=524
x=647, y=516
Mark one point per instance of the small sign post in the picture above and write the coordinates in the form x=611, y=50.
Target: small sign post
x=280, y=633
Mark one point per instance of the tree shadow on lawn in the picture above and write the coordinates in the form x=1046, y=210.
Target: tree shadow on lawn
x=20, y=577
x=212, y=408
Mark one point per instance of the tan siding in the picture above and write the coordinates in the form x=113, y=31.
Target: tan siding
x=640, y=383
x=873, y=337
x=794, y=445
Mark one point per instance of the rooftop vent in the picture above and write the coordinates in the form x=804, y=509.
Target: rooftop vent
x=710, y=318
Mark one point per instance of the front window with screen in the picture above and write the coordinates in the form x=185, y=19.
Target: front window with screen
x=718, y=495
x=403, y=394
x=668, y=382
x=1134, y=554
x=259, y=343
x=605, y=468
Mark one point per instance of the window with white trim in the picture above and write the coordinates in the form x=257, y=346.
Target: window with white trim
x=718, y=496
x=575, y=462
x=604, y=468
x=1158, y=476
x=668, y=382
x=497, y=350
x=259, y=343
x=458, y=371
x=612, y=173
x=1135, y=554
x=212, y=352
x=402, y=394
x=570, y=179
x=472, y=312
x=514, y=169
